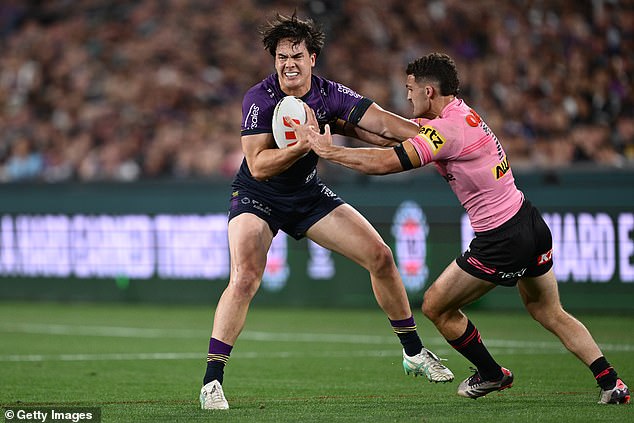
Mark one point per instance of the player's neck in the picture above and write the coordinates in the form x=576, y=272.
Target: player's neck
x=443, y=102
x=297, y=91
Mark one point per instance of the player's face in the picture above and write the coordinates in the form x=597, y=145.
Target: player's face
x=294, y=66
x=417, y=94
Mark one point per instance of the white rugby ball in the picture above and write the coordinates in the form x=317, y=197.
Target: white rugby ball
x=283, y=132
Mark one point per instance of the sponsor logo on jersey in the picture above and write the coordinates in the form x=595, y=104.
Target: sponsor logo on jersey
x=433, y=138
x=449, y=177
x=252, y=116
x=501, y=168
x=347, y=91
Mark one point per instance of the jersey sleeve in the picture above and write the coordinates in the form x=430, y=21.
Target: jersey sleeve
x=438, y=139
x=257, y=112
x=346, y=103
x=420, y=121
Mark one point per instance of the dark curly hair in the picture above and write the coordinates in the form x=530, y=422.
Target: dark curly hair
x=437, y=67
x=297, y=30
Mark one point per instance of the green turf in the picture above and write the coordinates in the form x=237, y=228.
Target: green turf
x=145, y=364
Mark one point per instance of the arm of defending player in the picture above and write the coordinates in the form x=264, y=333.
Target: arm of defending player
x=373, y=161
x=387, y=124
x=265, y=160
x=347, y=129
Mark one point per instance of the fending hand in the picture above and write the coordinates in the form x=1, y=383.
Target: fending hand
x=309, y=131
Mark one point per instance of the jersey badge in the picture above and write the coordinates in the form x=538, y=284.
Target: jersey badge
x=433, y=138
x=501, y=169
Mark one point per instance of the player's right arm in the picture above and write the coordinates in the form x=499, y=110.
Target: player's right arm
x=265, y=160
x=263, y=157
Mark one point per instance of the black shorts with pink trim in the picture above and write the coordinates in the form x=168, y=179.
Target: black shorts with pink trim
x=520, y=247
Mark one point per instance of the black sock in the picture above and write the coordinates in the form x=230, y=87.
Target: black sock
x=216, y=359
x=471, y=347
x=604, y=373
x=215, y=371
x=406, y=331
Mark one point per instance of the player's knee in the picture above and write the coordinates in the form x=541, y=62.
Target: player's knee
x=549, y=317
x=381, y=261
x=245, y=284
x=429, y=310
x=430, y=307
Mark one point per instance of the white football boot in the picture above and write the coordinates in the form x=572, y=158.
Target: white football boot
x=427, y=364
x=212, y=397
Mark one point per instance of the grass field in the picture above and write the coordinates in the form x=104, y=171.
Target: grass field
x=145, y=364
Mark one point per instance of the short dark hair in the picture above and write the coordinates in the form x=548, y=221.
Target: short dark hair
x=437, y=67
x=295, y=29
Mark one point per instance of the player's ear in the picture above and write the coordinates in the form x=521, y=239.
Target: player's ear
x=429, y=91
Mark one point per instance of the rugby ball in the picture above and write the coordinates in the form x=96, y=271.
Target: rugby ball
x=283, y=132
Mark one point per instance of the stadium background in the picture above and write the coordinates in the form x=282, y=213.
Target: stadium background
x=120, y=133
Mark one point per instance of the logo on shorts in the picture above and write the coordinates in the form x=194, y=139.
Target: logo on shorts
x=258, y=205
x=234, y=200
x=512, y=275
x=310, y=176
x=545, y=258
x=261, y=206
x=327, y=191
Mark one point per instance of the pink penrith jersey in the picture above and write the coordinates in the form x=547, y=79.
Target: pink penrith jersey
x=470, y=157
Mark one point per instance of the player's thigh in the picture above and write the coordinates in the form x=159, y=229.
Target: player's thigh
x=540, y=294
x=249, y=241
x=345, y=231
x=453, y=289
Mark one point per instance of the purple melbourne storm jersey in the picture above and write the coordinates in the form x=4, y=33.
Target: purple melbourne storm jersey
x=330, y=100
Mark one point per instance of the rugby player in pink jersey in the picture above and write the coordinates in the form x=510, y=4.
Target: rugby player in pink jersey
x=512, y=246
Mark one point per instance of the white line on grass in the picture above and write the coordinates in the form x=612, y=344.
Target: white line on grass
x=394, y=352
x=154, y=333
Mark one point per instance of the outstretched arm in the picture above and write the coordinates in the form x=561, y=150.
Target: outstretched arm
x=373, y=161
x=387, y=124
x=347, y=129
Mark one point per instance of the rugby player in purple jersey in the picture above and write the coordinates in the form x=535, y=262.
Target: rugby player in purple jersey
x=279, y=189
x=512, y=246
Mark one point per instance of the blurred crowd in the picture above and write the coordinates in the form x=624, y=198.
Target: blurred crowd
x=94, y=90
